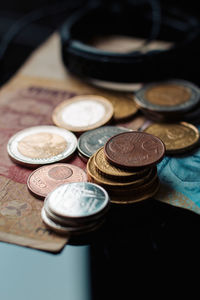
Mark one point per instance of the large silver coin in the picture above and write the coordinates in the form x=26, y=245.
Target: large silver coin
x=173, y=96
x=78, y=200
x=92, y=140
x=41, y=145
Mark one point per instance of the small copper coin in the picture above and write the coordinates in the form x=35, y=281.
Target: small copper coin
x=82, y=113
x=134, y=149
x=45, y=179
x=177, y=137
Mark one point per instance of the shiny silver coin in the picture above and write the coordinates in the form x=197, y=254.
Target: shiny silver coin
x=78, y=200
x=41, y=145
x=61, y=229
x=84, y=221
x=172, y=96
x=90, y=141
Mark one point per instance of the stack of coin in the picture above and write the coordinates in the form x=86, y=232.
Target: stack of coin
x=170, y=101
x=75, y=208
x=82, y=113
x=177, y=137
x=126, y=166
x=90, y=141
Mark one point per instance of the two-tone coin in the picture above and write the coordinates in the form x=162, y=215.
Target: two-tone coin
x=177, y=137
x=89, y=142
x=40, y=145
x=46, y=178
x=75, y=207
x=82, y=113
x=175, y=96
x=133, y=150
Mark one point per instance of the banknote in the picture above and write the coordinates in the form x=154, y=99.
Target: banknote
x=27, y=102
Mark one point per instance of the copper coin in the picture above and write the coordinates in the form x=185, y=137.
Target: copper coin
x=45, y=179
x=134, y=149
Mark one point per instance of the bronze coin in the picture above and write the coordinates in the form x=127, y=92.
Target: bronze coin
x=132, y=150
x=44, y=179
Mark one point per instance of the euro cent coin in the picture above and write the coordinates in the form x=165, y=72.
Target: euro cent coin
x=77, y=200
x=89, y=142
x=46, y=178
x=177, y=137
x=134, y=149
x=82, y=113
x=169, y=96
x=40, y=145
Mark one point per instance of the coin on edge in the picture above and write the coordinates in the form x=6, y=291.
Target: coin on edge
x=46, y=178
x=132, y=150
x=40, y=145
x=89, y=142
x=177, y=137
x=78, y=200
x=168, y=96
x=82, y=113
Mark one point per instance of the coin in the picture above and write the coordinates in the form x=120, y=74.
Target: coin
x=108, y=183
x=134, y=149
x=176, y=137
x=137, y=197
x=78, y=200
x=45, y=179
x=40, y=145
x=89, y=142
x=82, y=113
x=110, y=171
x=169, y=96
x=61, y=229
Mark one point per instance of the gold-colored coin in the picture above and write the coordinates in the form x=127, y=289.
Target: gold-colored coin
x=82, y=113
x=110, y=171
x=137, y=197
x=177, y=137
x=95, y=176
x=124, y=106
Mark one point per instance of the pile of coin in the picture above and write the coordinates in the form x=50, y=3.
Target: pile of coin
x=126, y=166
x=75, y=208
x=170, y=101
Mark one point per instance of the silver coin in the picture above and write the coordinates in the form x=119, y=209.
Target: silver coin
x=167, y=102
x=77, y=200
x=84, y=221
x=90, y=141
x=59, y=228
x=41, y=145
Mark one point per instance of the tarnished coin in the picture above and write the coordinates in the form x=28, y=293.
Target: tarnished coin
x=134, y=149
x=77, y=200
x=82, y=113
x=108, y=183
x=45, y=179
x=89, y=142
x=40, y=145
x=177, y=137
x=110, y=171
x=169, y=96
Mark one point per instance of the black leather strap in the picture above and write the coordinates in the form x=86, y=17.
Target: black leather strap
x=90, y=63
